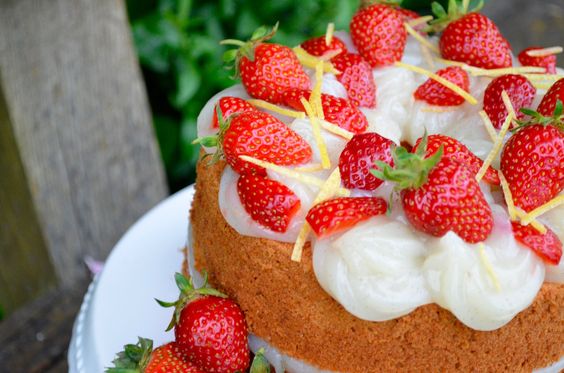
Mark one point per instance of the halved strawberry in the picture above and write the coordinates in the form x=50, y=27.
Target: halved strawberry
x=318, y=47
x=259, y=135
x=434, y=93
x=547, y=246
x=268, y=202
x=548, y=103
x=337, y=214
x=356, y=76
x=520, y=91
x=378, y=33
x=336, y=110
x=229, y=105
x=548, y=62
x=358, y=158
x=266, y=70
x=454, y=149
x=141, y=358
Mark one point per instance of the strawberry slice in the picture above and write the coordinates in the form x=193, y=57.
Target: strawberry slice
x=230, y=105
x=454, y=149
x=268, y=202
x=434, y=93
x=337, y=214
x=547, y=246
x=356, y=76
x=318, y=47
x=336, y=110
x=520, y=91
x=358, y=158
x=548, y=62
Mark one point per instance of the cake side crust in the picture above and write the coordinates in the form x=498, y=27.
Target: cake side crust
x=285, y=305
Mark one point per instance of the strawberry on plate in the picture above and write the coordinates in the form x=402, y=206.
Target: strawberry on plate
x=454, y=149
x=471, y=38
x=337, y=110
x=266, y=69
x=209, y=328
x=520, y=91
x=547, y=246
x=439, y=194
x=356, y=76
x=141, y=358
x=358, y=157
x=548, y=61
x=335, y=215
x=268, y=202
x=259, y=135
x=548, y=104
x=230, y=105
x=434, y=93
x=379, y=35
x=318, y=47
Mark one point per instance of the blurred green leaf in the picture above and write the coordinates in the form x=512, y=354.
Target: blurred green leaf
x=188, y=82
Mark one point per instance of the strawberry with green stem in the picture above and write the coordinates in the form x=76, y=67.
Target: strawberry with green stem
x=266, y=69
x=228, y=106
x=438, y=194
x=209, y=328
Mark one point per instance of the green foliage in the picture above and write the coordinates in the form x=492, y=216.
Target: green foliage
x=1, y=313
x=178, y=46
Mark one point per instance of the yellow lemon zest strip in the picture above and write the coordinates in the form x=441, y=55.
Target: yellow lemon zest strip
x=411, y=31
x=508, y=197
x=544, y=52
x=419, y=21
x=277, y=109
x=329, y=33
x=310, y=61
x=309, y=168
x=488, y=124
x=334, y=129
x=316, y=129
x=555, y=202
x=488, y=266
x=534, y=223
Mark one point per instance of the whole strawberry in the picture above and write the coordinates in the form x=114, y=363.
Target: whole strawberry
x=268, y=202
x=259, y=135
x=356, y=76
x=471, y=38
x=378, y=33
x=335, y=215
x=439, y=194
x=434, y=93
x=358, y=158
x=230, y=105
x=318, y=46
x=337, y=110
x=548, y=104
x=266, y=69
x=548, y=61
x=140, y=358
x=520, y=91
x=532, y=161
x=209, y=328
x=454, y=149
x=547, y=246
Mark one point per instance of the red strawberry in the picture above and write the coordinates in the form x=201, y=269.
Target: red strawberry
x=267, y=70
x=318, y=46
x=141, y=358
x=259, y=135
x=336, y=110
x=548, y=62
x=439, y=194
x=454, y=149
x=378, y=33
x=269, y=202
x=407, y=14
x=434, y=93
x=547, y=246
x=358, y=158
x=532, y=161
x=520, y=91
x=548, y=103
x=356, y=76
x=338, y=214
x=209, y=328
x=475, y=40
x=229, y=105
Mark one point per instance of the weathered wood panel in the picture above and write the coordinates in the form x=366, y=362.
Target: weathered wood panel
x=81, y=122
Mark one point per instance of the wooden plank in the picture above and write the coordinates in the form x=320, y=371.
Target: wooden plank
x=26, y=268
x=81, y=122
x=36, y=337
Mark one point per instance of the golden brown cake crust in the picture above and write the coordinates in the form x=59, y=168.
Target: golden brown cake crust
x=285, y=305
